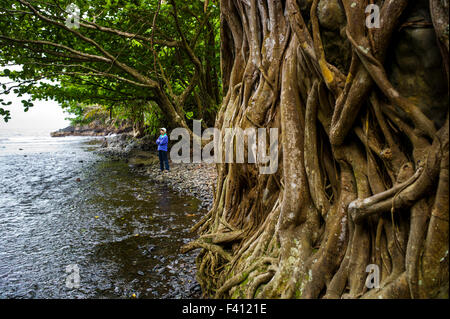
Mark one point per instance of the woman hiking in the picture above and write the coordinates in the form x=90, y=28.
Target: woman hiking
x=162, y=142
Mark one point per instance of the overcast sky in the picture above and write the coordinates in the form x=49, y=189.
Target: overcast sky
x=44, y=116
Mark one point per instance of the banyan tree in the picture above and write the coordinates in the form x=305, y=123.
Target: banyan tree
x=362, y=113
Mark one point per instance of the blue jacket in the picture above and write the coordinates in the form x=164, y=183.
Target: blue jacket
x=162, y=142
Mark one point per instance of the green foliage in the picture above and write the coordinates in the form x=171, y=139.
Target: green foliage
x=5, y=113
x=110, y=59
x=79, y=114
x=152, y=122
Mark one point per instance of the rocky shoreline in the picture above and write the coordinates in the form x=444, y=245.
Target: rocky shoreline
x=194, y=179
x=92, y=129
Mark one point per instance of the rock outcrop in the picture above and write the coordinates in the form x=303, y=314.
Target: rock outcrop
x=94, y=128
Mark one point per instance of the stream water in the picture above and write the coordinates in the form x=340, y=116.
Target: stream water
x=62, y=205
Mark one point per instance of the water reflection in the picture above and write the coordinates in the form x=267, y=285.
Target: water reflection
x=67, y=206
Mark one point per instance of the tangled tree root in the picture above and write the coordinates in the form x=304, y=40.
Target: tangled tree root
x=363, y=174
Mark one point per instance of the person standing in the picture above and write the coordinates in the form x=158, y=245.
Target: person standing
x=162, y=142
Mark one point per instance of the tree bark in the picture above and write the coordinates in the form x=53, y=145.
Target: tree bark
x=363, y=174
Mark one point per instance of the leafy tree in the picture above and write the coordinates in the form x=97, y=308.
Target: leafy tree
x=123, y=52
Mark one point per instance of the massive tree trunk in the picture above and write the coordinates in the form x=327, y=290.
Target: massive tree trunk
x=363, y=174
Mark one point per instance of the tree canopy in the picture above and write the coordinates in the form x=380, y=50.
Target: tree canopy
x=121, y=53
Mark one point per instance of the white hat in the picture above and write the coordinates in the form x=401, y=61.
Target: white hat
x=163, y=129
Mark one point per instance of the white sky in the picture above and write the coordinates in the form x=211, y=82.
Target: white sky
x=43, y=116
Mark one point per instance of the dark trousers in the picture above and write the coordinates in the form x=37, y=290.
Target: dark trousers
x=163, y=160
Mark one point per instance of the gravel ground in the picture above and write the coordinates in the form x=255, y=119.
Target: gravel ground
x=196, y=180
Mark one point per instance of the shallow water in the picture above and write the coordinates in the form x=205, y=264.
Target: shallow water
x=61, y=204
